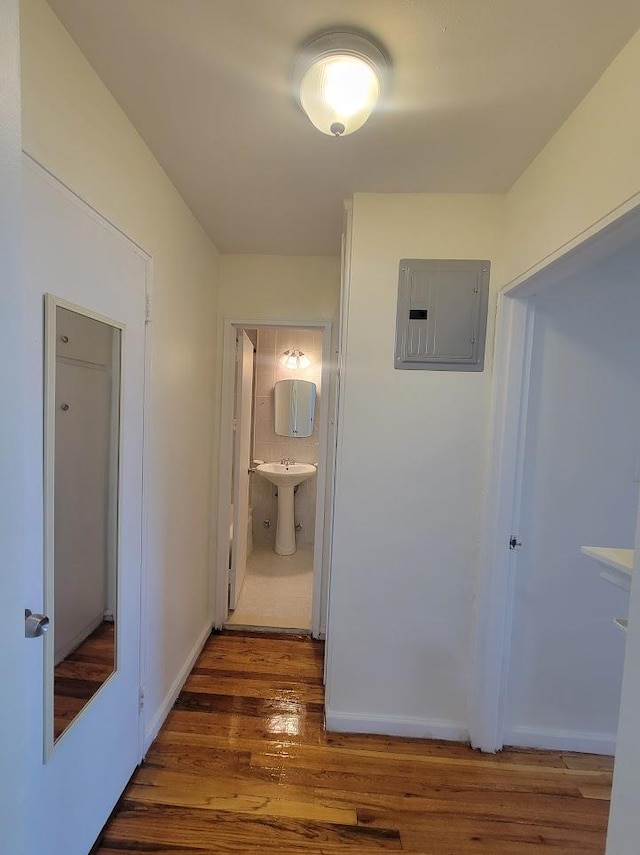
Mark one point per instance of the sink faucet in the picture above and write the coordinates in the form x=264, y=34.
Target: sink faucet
x=286, y=461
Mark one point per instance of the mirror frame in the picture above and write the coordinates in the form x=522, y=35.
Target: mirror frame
x=51, y=304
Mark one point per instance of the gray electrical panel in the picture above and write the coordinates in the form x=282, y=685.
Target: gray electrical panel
x=442, y=314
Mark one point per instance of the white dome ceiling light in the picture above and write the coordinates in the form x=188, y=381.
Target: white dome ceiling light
x=339, y=77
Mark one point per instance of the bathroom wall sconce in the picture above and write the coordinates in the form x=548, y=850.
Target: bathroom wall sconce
x=338, y=78
x=295, y=359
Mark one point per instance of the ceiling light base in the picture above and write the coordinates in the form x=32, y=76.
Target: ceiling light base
x=338, y=78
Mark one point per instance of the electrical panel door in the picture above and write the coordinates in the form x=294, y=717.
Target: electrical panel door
x=442, y=314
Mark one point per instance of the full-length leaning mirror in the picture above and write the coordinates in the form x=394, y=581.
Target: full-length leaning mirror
x=82, y=441
x=295, y=404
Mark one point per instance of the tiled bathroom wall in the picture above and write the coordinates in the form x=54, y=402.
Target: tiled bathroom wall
x=270, y=447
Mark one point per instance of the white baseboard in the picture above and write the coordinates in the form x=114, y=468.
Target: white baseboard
x=165, y=707
x=562, y=740
x=396, y=726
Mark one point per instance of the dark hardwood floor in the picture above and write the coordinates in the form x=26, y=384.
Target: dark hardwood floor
x=243, y=765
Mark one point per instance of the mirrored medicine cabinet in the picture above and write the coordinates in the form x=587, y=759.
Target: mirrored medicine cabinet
x=295, y=403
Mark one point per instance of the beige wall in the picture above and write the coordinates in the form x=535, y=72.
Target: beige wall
x=588, y=170
x=274, y=287
x=409, y=483
x=75, y=129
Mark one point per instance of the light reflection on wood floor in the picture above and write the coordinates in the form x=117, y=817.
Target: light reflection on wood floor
x=243, y=765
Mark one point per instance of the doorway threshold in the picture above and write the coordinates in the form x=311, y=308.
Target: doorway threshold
x=292, y=631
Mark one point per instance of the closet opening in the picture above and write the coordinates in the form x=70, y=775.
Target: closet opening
x=563, y=490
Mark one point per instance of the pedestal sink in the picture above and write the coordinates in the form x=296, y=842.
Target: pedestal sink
x=286, y=476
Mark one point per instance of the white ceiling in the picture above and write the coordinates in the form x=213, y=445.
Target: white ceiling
x=478, y=87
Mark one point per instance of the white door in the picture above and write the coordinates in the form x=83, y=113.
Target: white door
x=13, y=386
x=74, y=783
x=241, y=463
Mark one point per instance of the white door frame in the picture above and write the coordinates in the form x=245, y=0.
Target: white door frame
x=244, y=389
x=509, y=402
x=320, y=551
x=14, y=536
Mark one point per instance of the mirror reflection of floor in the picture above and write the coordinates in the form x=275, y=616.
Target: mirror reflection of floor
x=277, y=590
x=78, y=677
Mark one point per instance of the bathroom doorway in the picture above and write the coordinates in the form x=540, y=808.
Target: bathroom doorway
x=276, y=448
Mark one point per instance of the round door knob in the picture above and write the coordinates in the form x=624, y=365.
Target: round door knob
x=35, y=625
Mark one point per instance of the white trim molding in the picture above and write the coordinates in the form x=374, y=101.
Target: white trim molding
x=170, y=698
x=422, y=728
x=324, y=482
x=561, y=740
x=603, y=237
x=494, y=600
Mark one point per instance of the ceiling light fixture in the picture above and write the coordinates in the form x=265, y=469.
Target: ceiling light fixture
x=339, y=77
x=295, y=359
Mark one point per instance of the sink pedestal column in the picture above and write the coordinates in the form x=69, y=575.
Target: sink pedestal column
x=286, y=529
x=286, y=477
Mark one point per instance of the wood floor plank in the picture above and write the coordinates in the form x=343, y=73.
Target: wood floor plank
x=595, y=791
x=134, y=848
x=447, y=801
x=578, y=814
x=289, y=752
x=254, y=686
x=415, y=770
x=588, y=761
x=287, y=726
x=226, y=831
x=233, y=784
x=195, y=792
x=288, y=748
x=448, y=750
x=207, y=762
x=243, y=765
x=259, y=707
x=362, y=786
x=498, y=840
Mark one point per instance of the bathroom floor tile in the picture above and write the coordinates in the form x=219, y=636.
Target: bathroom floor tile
x=277, y=590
